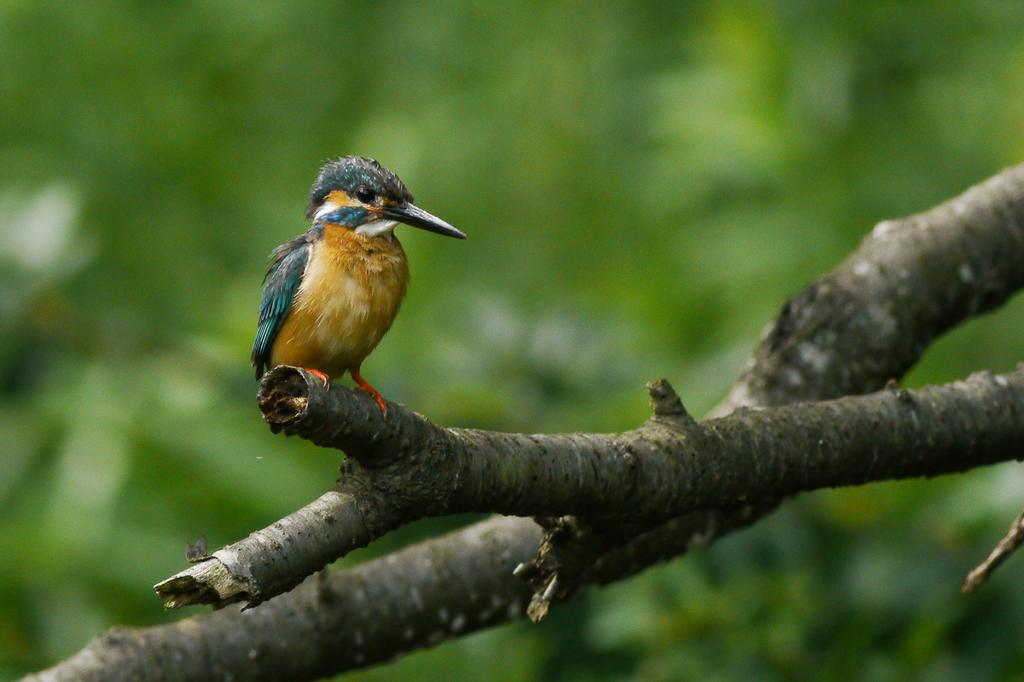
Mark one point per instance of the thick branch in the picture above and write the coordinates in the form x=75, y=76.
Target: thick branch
x=871, y=318
x=670, y=466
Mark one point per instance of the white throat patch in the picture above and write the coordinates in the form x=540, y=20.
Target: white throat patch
x=378, y=228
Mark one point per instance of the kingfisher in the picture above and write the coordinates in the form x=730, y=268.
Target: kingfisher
x=332, y=293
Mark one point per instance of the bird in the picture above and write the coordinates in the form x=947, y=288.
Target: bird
x=331, y=294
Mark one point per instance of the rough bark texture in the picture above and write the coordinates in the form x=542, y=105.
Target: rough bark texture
x=628, y=482
x=417, y=597
x=871, y=318
x=864, y=323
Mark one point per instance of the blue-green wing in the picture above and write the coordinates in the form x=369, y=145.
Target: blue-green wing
x=279, y=287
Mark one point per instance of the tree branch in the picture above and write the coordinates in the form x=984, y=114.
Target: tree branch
x=670, y=466
x=1008, y=545
x=823, y=344
x=416, y=597
x=869, y=320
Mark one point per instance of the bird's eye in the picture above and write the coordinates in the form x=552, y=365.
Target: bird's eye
x=365, y=195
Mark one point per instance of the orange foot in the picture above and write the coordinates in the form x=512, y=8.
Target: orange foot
x=365, y=386
x=319, y=375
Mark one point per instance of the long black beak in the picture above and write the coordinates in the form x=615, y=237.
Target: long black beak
x=417, y=217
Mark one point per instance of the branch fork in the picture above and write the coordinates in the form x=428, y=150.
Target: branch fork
x=597, y=491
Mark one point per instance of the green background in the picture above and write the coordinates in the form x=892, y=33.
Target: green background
x=643, y=185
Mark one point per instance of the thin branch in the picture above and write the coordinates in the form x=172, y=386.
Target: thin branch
x=1007, y=546
x=273, y=560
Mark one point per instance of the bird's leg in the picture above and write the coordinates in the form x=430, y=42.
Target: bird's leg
x=364, y=385
x=319, y=375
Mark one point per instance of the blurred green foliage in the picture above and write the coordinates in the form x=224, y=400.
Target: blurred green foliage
x=643, y=185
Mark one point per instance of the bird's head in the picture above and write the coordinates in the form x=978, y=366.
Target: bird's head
x=362, y=195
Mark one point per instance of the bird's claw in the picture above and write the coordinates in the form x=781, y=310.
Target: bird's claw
x=380, y=402
x=364, y=385
x=321, y=376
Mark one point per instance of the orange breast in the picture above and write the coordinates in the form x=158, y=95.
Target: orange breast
x=348, y=298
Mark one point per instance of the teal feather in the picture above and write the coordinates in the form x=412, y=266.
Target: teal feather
x=288, y=263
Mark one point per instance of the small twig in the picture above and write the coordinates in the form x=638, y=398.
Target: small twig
x=1007, y=546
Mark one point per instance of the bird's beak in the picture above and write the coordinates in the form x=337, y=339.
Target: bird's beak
x=417, y=217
